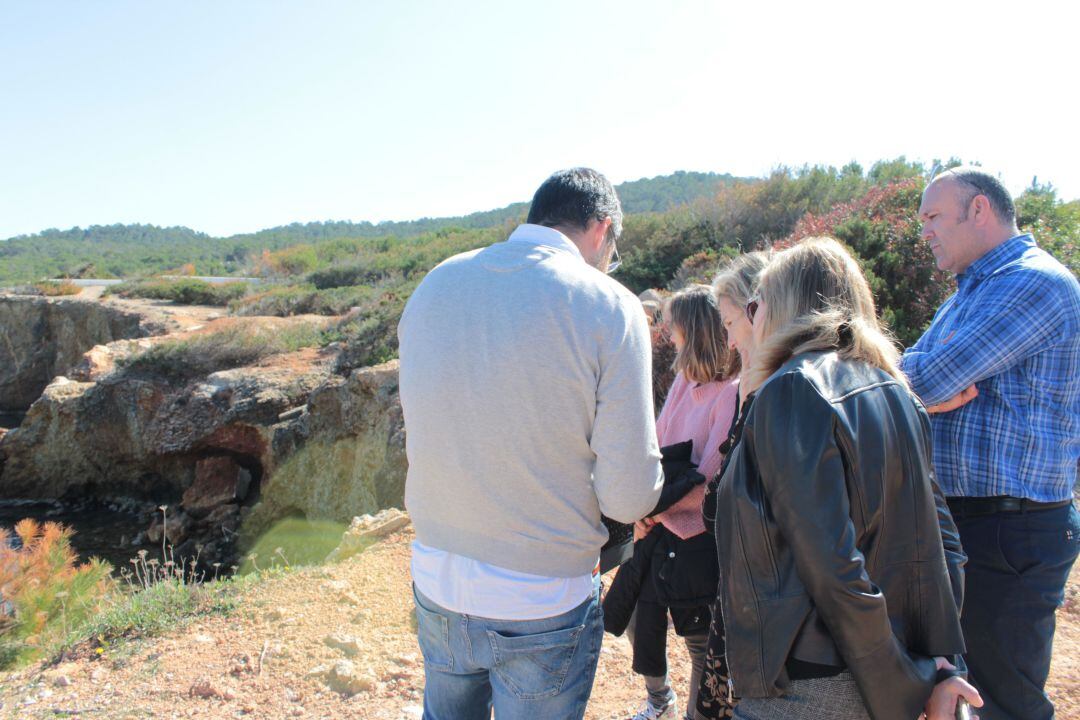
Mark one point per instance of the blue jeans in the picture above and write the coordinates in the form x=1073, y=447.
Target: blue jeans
x=1014, y=582
x=526, y=669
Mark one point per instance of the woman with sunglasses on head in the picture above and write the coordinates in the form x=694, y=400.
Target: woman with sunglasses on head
x=840, y=566
x=673, y=569
x=732, y=288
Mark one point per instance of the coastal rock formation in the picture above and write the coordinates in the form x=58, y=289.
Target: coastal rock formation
x=41, y=338
x=344, y=456
x=228, y=454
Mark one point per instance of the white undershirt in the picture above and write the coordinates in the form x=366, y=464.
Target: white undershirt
x=471, y=587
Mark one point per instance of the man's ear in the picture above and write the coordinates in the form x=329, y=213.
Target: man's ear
x=604, y=225
x=983, y=213
x=595, y=232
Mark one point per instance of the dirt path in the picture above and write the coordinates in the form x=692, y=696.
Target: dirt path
x=257, y=662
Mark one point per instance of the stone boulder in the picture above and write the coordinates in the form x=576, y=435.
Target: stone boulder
x=218, y=480
x=345, y=678
x=363, y=531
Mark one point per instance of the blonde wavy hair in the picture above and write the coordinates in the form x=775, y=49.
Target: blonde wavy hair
x=736, y=280
x=704, y=357
x=814, y=296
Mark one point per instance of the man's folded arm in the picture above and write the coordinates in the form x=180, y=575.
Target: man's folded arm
x=1009, y=321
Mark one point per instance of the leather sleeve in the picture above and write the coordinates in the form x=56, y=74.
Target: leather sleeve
x=955, y=557
x=794, y=436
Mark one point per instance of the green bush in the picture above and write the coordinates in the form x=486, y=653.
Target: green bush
x=882, y=229
x=1055, y=224
x=295, y=260
x=44, y=594
x=287, y=300
x=183, y=291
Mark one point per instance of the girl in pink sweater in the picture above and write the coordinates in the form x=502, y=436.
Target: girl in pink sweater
x=682, y=578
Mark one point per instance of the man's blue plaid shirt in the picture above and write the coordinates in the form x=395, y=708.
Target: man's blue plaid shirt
x=1013, y=329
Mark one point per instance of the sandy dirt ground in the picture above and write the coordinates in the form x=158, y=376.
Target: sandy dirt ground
x=270, y=657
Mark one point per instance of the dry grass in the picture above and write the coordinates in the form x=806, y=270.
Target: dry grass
x=57, y=288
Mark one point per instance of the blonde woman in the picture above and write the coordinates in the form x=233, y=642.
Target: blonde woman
x=841, y=568
x=732, y=288
x=673, y=570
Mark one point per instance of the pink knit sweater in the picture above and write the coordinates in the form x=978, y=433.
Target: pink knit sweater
x=701, y=412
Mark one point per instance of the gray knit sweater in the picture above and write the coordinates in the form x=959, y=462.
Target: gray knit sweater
x=525, y=383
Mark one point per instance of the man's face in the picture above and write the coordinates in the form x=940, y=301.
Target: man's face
x=947, y=226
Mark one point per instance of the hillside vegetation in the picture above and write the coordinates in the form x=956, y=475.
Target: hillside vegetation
x=678, y=229
x=122, y=251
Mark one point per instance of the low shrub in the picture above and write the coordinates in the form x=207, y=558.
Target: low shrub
x=45, y=595
x=283, y=301
x=295, y=260
x=51, y=606
x=243, y=343
x=882, y=229
x=57, y=288
x=183, y=291
x=161, y=607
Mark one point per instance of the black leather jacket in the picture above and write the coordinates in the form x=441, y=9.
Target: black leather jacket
x=834, y=541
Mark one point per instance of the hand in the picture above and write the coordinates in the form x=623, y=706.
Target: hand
x=958, y=400
x=642, y=528
x=942, y=702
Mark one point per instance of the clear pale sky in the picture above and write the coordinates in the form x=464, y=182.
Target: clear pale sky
x=234, y=116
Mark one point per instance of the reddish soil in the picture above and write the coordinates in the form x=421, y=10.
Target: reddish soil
x=256, y=662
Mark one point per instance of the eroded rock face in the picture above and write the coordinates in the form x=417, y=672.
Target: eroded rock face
x=143, y=437
x=41, y=338
x=345, y=456
x=216, y=451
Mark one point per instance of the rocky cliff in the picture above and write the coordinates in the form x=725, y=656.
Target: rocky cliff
x=41, y=338
x=228, y=453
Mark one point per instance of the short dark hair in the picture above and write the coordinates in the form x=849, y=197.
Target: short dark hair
x=573, y=197
x=979, y=182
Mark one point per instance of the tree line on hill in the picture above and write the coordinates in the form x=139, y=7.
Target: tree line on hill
x=121, y=251
x=678, y=229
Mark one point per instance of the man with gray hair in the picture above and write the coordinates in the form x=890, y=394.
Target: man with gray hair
x=999, y=369
x=525, y=384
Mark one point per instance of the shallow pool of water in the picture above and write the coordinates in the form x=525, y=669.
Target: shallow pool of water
x=10, y=420
x=104, y=531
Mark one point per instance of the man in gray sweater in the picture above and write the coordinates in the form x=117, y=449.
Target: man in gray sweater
x=526, y=388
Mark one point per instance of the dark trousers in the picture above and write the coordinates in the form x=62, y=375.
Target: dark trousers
x=1014, y=582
